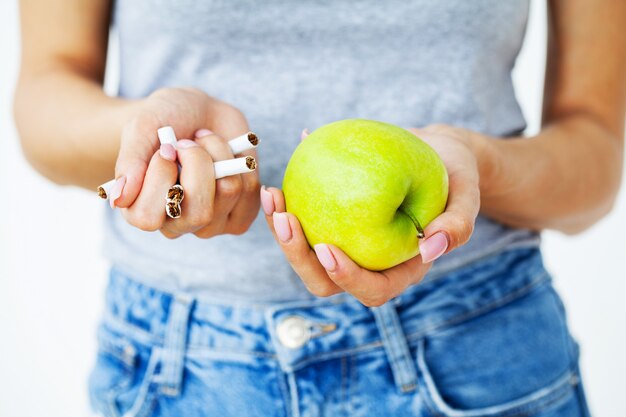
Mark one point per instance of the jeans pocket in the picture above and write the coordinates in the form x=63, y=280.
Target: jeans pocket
x=120, y=383
x=512, y=361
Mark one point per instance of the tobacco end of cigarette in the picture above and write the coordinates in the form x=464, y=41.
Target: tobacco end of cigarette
x=102, y=193
x=254, y=139
x=251, y=163
x=176, y=193
x=173, y=209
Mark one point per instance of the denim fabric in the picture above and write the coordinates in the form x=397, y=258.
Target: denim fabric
x=489, y=339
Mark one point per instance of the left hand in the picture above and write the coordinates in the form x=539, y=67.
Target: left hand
x=327, y=270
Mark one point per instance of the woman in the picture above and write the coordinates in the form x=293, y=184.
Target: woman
x=216, y=322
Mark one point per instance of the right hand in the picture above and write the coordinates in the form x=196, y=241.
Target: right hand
x=210, y=207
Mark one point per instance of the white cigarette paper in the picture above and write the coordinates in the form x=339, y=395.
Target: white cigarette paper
x=223, y=169
x=244, y=142
x=234, y=166
x=104, y=191
x=167, y=136
x=237, y=145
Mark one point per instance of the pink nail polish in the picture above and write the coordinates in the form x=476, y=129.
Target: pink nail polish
x=325, y=256
x=168, y=152
x=117, y=189
x=267, y=201
x=304, y=134
x=202, y=133
x=281, y=226
x=186, y=144
x=433, y=247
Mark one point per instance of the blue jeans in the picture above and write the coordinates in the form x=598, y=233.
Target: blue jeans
x=489, y=339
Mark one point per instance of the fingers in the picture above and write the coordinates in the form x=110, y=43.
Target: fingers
x=327, y=270
x=304, y=134
x=371, y=288
x=227, y=189
x=138, y=143
x=289, y=235
x=455, y=225
x=210, y=208
x=197, y=176
x=147, y=212
x=247, y=207
x=237, y=196
x=245, y=187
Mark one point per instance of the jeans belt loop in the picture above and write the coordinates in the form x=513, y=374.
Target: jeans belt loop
x=175, y=345
x=396, y=347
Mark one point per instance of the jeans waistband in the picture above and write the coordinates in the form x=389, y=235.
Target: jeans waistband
x=302, y=332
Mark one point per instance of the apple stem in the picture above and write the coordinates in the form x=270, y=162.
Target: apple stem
x=416, y=223
x=420, y=231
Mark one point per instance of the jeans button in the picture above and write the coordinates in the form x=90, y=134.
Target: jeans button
x=293, y=332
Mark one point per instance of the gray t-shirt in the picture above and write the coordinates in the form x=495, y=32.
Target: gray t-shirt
x=294, y=64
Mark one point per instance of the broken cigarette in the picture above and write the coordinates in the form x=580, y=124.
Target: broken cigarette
x=244, y=142
x=234, y=166
x=104, y=191
x=174, y=197
x=167, y=136
x=237, y=145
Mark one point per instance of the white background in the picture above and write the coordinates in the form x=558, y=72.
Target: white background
x=52, y=275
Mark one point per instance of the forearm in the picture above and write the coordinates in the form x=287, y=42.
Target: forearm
x=69, y=128
x=565, y=178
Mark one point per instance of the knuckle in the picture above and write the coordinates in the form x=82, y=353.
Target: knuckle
x=376, y=300
x=233, y=113
x=463, y=227
x=322, y=289
x=238, y=228
x=229, y=188
x=200, y=218
x=141, y=218
x=252, y=185
x=146, y=223
x=138, y=123
x=170, y=235
x=205, y=233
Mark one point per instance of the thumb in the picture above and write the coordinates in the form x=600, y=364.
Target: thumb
x=455, y=226
x=137, y=146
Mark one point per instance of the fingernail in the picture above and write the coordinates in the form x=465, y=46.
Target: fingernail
x=304, y=134
x=267, y=201
x=281, y=226
x=185, y=144
x=325, y=256
x=433, y=247
x=117, y=189
x=202, y=133
x=168, y=152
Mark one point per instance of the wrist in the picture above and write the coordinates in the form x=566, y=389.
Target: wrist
x=488, y=160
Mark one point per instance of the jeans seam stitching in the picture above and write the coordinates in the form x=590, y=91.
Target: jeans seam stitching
x=280, y=376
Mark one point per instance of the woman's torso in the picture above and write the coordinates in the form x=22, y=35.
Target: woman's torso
x=289, y=65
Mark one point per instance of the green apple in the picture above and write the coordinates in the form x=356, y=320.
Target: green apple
x=366, y=187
